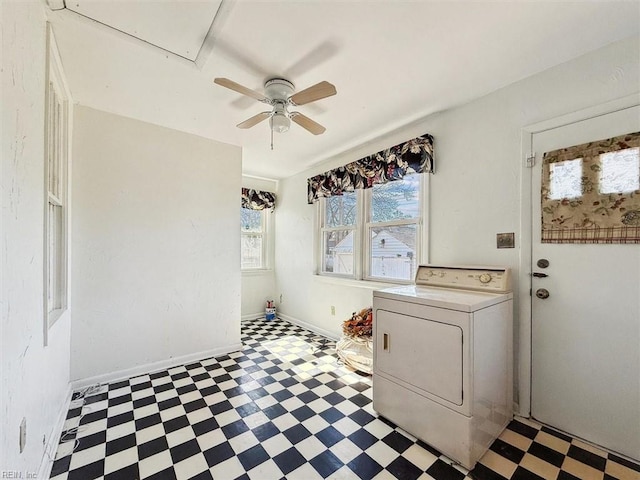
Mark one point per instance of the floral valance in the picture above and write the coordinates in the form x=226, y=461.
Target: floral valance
x=591, y=192
x=257, y=199
x=414, y=156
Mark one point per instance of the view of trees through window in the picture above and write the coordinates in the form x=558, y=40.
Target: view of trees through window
x=251, y=236
x=396, y=200
x=394, y=212
x=340, y=220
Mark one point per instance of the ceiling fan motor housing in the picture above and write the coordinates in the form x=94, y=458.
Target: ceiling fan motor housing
x=279, y=89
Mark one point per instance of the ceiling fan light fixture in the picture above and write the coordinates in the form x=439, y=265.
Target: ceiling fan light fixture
x=279, y=122
x=279, y=93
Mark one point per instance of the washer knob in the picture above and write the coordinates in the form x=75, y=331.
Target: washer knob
x=485, y=278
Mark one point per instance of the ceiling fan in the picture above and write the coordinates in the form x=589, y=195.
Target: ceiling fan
x=279, y=94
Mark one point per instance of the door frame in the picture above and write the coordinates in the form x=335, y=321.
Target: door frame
x=525, y=311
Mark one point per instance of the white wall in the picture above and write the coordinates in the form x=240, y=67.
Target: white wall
x=156, y=244
x=258, y=286
x=35, y=378
x=475, y=192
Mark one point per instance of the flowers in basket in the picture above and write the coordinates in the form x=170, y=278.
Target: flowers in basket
x=360, y=324
x=355, y=348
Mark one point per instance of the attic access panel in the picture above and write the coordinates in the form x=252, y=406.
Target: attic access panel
x=178, y=27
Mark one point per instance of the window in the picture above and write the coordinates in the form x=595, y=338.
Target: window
x=620, y=171
x=565, y=179
x=57, y=118
x=392, y=229
x=373, y=234
x=253, y=238
x=338, y=234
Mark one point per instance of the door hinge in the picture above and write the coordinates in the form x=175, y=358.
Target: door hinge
x=530, y=160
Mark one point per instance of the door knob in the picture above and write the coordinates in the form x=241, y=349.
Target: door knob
x=539, y=275
x=542, y=293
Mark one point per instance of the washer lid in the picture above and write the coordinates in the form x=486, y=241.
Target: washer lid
x=452, y=299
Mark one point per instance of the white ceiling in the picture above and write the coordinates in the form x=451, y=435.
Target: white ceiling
x=178, y=27
x=392, y=62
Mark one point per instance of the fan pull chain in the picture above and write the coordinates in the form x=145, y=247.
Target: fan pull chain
x=271, y=138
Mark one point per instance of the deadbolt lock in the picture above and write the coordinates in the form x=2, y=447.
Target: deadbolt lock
x=542, y=263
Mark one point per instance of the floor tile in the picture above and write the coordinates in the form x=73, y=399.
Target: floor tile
x=581, y=470
x=621, y=472
x=539, y=466
x=485, y=472
x=553, y=442
x=587, y=457
x=443, y=471
x=124, y=458
x=364, y=466
x=499, y=464
x=218, y=454
x=523, y=473
x=547, y=454
x=281, y=408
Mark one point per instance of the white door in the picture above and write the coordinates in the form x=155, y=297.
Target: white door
x=586, y=334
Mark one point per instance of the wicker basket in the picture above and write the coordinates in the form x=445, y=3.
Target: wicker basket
x=357, y=353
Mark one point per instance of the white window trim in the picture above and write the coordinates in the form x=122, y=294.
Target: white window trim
x=267, y=246
x=56, y=78
x=361, y=265
x=320, y=234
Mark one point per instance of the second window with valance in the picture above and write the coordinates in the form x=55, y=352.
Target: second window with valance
x=371, y=214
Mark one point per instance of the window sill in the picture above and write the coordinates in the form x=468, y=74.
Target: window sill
x=254, y=272
x=350, y=282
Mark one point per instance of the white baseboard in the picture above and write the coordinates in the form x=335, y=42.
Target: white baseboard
x=153, y=367
x=53, y=439
x=309, y=326
x=252, y=316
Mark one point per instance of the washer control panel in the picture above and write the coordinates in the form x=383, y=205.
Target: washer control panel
x=490, y=279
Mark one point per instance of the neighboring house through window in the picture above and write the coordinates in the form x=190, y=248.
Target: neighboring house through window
x=338, y=232
x=373, y=234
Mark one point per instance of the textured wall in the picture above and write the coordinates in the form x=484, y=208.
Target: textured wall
x=156, y=244
x=34, y=377
x=475, y=192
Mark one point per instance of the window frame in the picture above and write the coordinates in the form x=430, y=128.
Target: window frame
x=362, y=243
x=323, y=229
x=267, y=243
x=57, y=163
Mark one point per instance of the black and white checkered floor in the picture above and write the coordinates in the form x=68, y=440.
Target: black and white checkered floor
x=280, y=408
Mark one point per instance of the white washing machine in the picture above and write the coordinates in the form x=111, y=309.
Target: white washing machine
x=443, y=358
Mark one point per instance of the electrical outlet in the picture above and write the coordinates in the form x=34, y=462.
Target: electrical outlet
x=23, y=433
x=333, y=310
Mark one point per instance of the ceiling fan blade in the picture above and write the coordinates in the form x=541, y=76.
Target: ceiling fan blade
x=225, y=82
x=256, y=119
x=311, y=94
x=306, y=123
